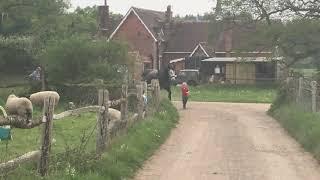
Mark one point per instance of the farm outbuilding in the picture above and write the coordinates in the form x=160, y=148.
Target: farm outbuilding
x=235, y=70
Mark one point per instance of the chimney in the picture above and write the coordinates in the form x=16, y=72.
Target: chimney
x=218, y=9
x=169, y=14
x=228, y=34
x=103, y=20
x=167, y=25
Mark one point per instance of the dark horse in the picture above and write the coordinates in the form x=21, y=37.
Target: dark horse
x=163, y=76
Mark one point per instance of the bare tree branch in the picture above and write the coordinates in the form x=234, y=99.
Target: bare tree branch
x=19, y=122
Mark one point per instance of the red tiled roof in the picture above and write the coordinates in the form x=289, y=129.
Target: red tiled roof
x=208, y=48
x=236, y=37
x=187, y=35
x=152, y=19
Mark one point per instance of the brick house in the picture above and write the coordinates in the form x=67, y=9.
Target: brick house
x=143, y=31
x=160, y=39
x=157, y=37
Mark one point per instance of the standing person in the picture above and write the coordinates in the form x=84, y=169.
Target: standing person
x=35, y=80
x=36, y=74
x=185, y=94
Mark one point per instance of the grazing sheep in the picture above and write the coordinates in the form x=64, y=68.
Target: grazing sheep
x=19, y=106
x=38, y=98
x=114, y=115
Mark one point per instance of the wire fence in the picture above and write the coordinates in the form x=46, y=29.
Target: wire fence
x=78, y=138
x=304, y=92
x=242, y=77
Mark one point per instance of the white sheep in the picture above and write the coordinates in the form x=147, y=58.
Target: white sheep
x=19, y=106
x=114, y=115
x=38, y=98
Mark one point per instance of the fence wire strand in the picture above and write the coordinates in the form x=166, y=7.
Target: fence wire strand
x=302, y=92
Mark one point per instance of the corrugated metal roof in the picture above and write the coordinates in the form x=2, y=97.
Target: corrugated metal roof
x=177, y=60
x=239, y=59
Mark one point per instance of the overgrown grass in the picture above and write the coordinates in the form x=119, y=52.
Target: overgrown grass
x=71, y=161
x=303, y=126
x=67, y=133
x=230, y=93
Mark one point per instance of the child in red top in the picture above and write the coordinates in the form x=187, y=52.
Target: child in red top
x=185, y=94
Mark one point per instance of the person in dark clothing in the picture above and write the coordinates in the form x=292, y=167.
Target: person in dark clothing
x=35, y=80
x=36, y=75
x=185, y=94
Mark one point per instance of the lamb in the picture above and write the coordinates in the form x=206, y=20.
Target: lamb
x=114, y=115
x=38, y=98
x=19, y=106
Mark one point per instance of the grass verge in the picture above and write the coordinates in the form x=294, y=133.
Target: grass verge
x=124, y=157
x=303, y=126
x=230, y=93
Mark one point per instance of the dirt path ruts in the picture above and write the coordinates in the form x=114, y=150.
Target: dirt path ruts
x=223, y=141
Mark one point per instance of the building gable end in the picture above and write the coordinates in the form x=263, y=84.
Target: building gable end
x=124, y=20
x=201, y=48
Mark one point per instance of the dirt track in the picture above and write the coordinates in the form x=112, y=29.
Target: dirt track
x=222, y=141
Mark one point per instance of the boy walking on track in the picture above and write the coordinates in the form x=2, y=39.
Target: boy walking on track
x=185, y=94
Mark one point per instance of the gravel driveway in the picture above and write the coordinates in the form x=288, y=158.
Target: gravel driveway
x=224, y=141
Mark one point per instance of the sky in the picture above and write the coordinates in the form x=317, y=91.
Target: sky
x=181, y=7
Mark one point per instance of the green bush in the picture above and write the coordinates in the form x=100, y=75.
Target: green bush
x=88, y=94
x=15, y=61
x=282, y=98
x=82, y=59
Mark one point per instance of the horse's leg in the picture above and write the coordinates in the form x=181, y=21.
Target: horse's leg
x=169, y=93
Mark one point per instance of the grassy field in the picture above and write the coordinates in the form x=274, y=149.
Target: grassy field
x=230, y=93
x=303, y=126
x=75, y=141
x=306, y=72
x=67, y=134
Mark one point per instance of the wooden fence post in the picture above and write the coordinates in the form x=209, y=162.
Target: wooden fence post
x=140, y=100
x=156, y=92
x=299, y=93
x=153, y=91
x=124, y=103
x=288, y=80
x=314, y=96
x=48, y=111
x=103, y=120
x=145, y=87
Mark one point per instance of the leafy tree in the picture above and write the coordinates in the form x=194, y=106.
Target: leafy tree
x=26, y=28
x=28, y=16
x=205, y=17
x=85, y=20
x=82, y=59
x=15, y=54
x=288, y=27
